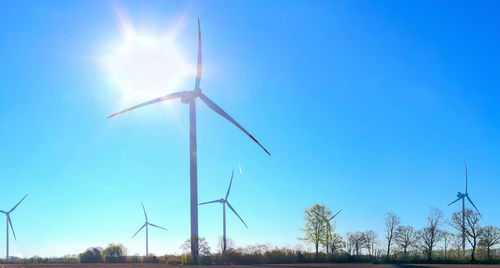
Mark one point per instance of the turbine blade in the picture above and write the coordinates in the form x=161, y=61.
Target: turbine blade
x=335, y=214
x=455, y=200
x=221, y=112
x=229, y=205
x=229, y=189
x=145, y=215
x=17, y=204
x=138, y=231
x=473, y=204
x=215, y=201
x=160, y=99
x=157, y=226
x=4, y=212
x=12, y=228
x=198, y=66
x=466, y=178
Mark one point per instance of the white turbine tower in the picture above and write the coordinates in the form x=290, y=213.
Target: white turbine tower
x=9, y=222
x=224, y=201
x=146, y=224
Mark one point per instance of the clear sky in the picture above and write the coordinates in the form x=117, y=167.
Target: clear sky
x=366, y=106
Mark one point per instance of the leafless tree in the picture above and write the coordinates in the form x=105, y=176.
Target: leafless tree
x=430, y=235
x=336, y=243
x=355, y=242
x=229, y=244
x=405, y=237
x=370, y=240
x=490, y=236
x=471, y=227
x=446, y=237
x=392, y=222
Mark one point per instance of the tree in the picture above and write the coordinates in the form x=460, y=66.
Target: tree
x=315, y=225
x=229, y=244
x=336, y=243
x=490, y=236
x=471, y=228
x=355, y=242
x=446, y=237
x=392, y=222
x=203, y=247
x=430, y=235
x=405, y=237
x=370, y=240
x=91, y=255
x=114, y=253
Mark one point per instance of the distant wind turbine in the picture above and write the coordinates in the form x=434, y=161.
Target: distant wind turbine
x=9, y=222
x=189, y=97
x=463, y=196
x=146, y=224
x=224, y=201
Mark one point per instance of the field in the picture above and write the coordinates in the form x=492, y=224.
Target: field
x=330, y=265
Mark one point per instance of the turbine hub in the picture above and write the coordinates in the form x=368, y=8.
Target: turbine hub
x=459, y=194
x=191, y=95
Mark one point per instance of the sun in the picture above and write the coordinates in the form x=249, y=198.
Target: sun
x=145, y=66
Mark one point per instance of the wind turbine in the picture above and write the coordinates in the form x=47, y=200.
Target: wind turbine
x=9, y=222
x=463, y=196
x=224, y=201
x=146, y=224
x=189, y=97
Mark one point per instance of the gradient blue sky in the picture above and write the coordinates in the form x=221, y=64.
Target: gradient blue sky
x=366, y=106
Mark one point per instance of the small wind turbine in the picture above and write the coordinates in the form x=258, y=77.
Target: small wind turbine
x=224, y=201
x=463, y=196
x=146, y=224
x=189, y=97
x=9, y=222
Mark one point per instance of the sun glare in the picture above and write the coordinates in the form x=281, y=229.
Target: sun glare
x=146, y=66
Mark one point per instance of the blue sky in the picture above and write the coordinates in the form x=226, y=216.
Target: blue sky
x=365, y=106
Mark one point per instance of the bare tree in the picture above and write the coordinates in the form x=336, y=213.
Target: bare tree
x=430, y=235
x=471, y=228
x=490, y=236
x=446, y=237
x=392, y=222
x=315, y=225
x=336, y=243
x=405, y=237
x=370, y=240
x=355, y=242
x=229, y=244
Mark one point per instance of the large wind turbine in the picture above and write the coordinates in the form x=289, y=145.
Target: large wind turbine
x=224, y=201
x=146, y=224
x=463, y=196
x=9, y=222
x=189, y=97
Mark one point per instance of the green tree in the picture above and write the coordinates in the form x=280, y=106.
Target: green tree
x=315, y=229
x=114, y=253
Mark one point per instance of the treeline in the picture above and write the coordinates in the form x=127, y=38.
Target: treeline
x=440, y=240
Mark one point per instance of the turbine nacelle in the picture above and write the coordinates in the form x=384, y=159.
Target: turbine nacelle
x=190, y=96
x=459, y=194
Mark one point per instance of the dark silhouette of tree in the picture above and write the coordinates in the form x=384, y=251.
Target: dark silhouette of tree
x=229, y=244
x=489, y=237
x=336, y=243
x=405, y=237
x=91, y=255
x=203, y=247
x=355, y=242
x=392, y=222
x=471, y=227
x=315, y=227
x=430, y=235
